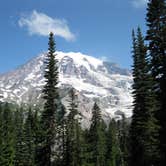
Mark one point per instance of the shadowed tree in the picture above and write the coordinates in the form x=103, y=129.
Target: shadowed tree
x=156, y=36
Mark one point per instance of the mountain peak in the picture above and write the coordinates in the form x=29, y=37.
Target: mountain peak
x=91, y=77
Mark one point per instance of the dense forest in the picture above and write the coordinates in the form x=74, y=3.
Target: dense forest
x=53, y=136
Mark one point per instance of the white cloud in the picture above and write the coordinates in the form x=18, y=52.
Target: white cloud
x=139, y=3
x=41, y=24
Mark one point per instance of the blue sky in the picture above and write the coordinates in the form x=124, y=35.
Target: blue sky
x=101, y=28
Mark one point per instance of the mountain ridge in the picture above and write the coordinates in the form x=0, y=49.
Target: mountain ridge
x=95, y=80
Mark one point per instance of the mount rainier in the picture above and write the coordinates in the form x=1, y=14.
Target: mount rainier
x=93, y=79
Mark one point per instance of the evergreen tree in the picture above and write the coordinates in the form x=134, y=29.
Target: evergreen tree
x=73, y=133
x=97, y=138
x=113, y=153
x=19, y=137
x=37, y=138
x=51, y=97
x=7, y=156
x=123, y=138
x=135, y=149
x=156, y=36
x=1, y=130
x=28, y=140
x=85, y=148
x=144, y=128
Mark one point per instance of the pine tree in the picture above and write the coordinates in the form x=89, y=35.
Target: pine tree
x=7, y=157
x=51, y=97
x=19, y=137
x=37, y=138
x=73, y=133
x=28, y=140
x=144, y=128
x=123, y=138
x=1, y=130
x=97, y=138
x=113, y=152
x=85, y=148
x=156, y=36
x=134, y=140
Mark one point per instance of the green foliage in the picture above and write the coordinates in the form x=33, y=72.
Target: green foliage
x=123, y=137
x=29, y=145
x=97, y=140
x=51, y=96
x=37, y=137
x=142, y=134
x=19, y=137
x=1, y=130
x=73, y=133
x=113, y=152
x=7, y=140
x=156, y=36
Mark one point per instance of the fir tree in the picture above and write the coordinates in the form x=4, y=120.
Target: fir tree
x=28, y=140
x=113, y=153
x=97, y=138
x=51, y=97
x=123, y=138
x=85, y=156
x=37, y=138
x=1, y=130
x=7, y=157
x=134, y=136
x=19, y=137
x=156, y=36
x=144, y=128
x=73, y=133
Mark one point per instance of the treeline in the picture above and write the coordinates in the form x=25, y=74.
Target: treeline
x=22, y=139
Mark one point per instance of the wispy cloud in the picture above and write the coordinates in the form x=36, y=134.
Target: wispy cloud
x=103, y=58
x=139, y=3
x=41, y=24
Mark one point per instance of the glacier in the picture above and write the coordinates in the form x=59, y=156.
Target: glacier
x=94, y=80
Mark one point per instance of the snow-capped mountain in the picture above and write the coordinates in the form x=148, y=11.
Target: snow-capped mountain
x=93, y=79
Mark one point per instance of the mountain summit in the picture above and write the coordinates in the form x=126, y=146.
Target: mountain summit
x=93, y=79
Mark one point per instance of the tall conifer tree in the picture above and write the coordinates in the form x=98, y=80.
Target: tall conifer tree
x=123, y=129
x=156, y=36
x=37, y=138
x=1, y=130
x=113, y=149
x=19, y=159
x=73, y=133
x=51, y=97
x=7, y=158
x=97, y=138
x=144, y=128
x=29, y=145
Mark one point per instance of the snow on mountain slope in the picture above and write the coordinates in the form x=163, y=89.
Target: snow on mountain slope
x=94, y=79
